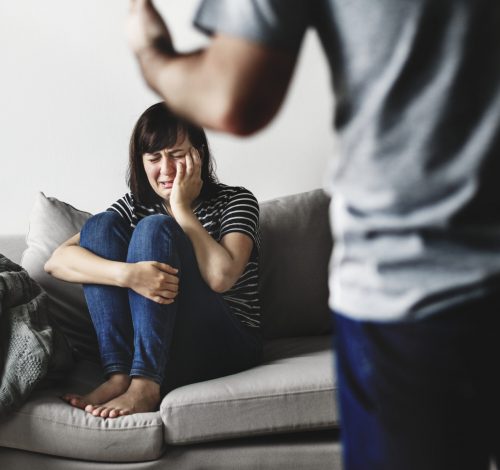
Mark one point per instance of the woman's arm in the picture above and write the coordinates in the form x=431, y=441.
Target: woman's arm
x=70, y=262
x=221, y=264
x=73, y=263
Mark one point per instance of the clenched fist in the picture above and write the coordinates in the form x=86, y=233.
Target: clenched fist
x=146, y=28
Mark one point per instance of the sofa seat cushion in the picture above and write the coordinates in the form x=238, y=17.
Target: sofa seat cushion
x=48, y=425
x=293, y=390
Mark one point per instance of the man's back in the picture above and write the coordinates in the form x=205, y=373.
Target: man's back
x=417, y=84
x=418, y=117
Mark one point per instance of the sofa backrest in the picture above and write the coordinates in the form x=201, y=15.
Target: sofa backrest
x=296, y=246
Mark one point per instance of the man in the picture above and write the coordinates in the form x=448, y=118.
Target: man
x=414, y=286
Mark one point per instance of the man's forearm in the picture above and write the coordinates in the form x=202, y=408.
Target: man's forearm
x=186, y=85
x=152, y=61
x=215, y=88
x=233, y=85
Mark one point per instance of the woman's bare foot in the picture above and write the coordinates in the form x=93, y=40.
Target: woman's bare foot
x=142, y=396
x=115, y=385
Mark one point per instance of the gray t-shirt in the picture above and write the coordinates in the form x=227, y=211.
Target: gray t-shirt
x=415, y=209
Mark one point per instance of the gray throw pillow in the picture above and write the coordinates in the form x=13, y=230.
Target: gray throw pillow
x=51, y=223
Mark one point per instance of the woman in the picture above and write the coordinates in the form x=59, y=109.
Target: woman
x=169, y=272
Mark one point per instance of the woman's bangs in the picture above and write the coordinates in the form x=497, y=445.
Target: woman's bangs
x=159, y=137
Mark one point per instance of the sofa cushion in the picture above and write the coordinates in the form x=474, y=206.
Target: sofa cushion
x=293, y=390
x=296, y=246
x=51, y=223
x=48, y=425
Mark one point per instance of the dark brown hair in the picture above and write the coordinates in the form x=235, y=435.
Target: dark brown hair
x=156, y=129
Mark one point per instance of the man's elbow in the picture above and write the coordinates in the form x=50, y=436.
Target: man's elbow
x=238, y=124
x=241, y=119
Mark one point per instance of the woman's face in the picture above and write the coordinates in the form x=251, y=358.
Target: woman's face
x=161, y=166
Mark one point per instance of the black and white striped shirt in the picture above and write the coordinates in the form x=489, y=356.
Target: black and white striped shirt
x=231, y=209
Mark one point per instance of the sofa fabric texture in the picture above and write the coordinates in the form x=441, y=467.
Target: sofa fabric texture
x=292, y=391
x=296, y=246
x=289, y=392
x=299, y=451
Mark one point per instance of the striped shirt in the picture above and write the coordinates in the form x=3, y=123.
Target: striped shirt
x=231, y=209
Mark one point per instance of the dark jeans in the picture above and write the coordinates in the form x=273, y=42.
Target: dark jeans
x=423, y=395
x=193, y=339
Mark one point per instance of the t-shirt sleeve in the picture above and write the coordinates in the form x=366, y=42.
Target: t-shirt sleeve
x=124, y=206
x=275, y=23
x=241, y=214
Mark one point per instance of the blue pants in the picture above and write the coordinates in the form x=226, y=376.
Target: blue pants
x=195, y=338
x=423, y=395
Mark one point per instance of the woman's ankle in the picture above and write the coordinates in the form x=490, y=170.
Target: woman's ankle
x=145, y=384
x=119, y=377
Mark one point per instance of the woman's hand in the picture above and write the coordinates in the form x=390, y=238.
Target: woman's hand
x=187, y=182
x=146, y=28
x=152, y=279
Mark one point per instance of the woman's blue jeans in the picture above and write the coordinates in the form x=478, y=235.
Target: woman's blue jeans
x=195, y=338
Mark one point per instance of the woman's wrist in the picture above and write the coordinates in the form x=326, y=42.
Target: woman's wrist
x=181, y=210
x=123, y=274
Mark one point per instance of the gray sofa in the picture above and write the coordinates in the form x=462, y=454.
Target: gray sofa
x=279, y=415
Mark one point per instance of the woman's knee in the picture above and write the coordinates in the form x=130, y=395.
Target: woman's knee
x=157, y=237
x=157, y=223
x=101, y=228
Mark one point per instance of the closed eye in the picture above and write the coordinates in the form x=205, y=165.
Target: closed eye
x=153, y=158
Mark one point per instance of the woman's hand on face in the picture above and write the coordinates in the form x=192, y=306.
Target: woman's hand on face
x=154, y=280
x=187, y=183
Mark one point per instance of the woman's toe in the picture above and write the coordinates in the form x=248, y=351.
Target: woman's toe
x=74, y=400
x=89, y=408
x=69, y=396
x=105, y=412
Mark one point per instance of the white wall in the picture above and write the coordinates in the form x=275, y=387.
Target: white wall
x=70, y=93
